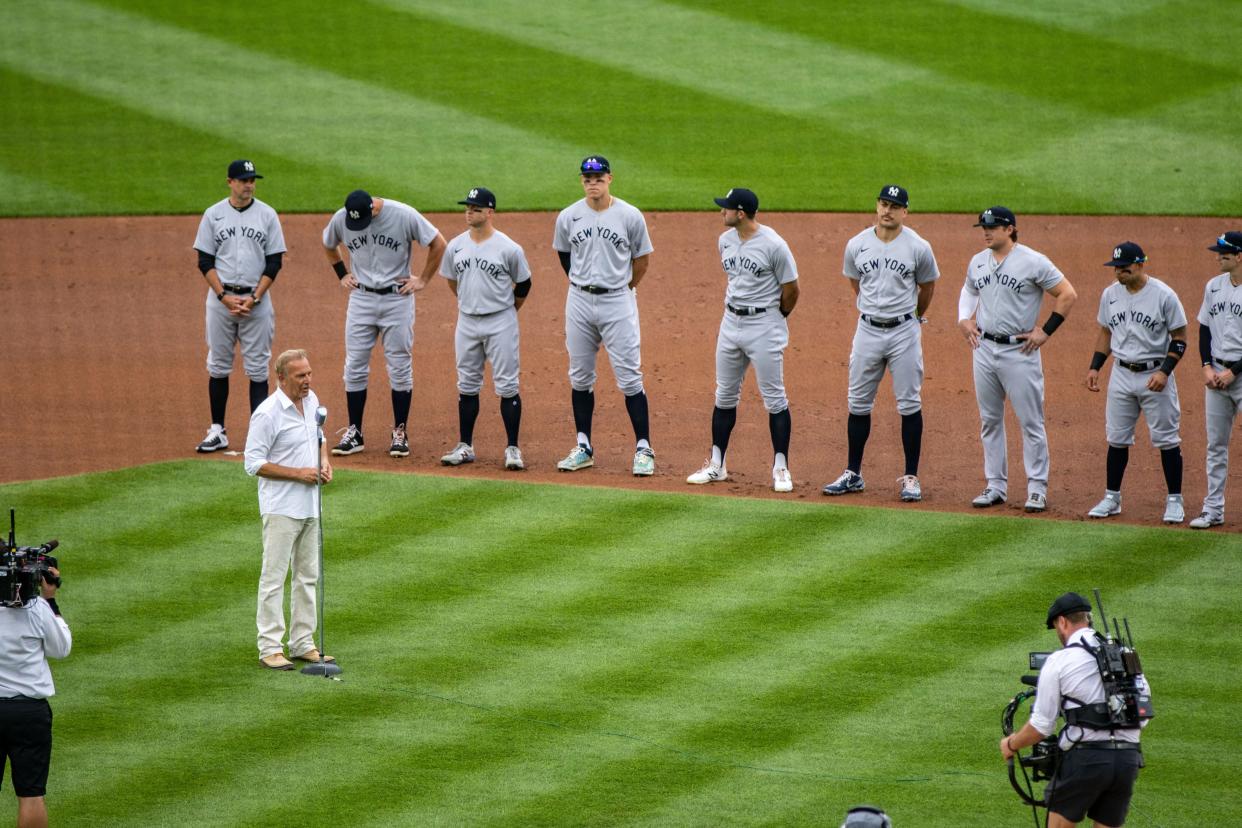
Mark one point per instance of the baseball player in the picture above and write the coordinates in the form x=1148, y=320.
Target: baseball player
x=488, y=273
x=893, y=274
x=240, y=250
x=1142, y=322
x=1220, y=349
x=379, y=234
x=997, y=309
x=604, y=250
x=762, y=291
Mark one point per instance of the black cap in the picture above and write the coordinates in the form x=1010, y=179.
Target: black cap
x=866, y=816
x=739, y=198
x=1067, y=603
x=894, y=194
x=997, y=217
x=358, y=210
x=1125, y=254
x=1230, y=242
x=480, y=197
x=594, y=164
x=242, y=169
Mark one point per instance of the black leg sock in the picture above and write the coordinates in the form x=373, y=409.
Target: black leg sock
x=636, y=406
x=467, y=413
x=356, y=402
x=912, y=440
x=218, y=394
x=781, y=426
x=1117, y=460
x=857, y=430
x=723, y=420
x=511, y=414
x=1171, y=460
x=401, y=407
x=584, y=407
x=258, y=393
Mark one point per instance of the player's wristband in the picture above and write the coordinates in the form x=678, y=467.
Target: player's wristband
x=1054, y=321
x=340, y=269
x=1097, y=360
x=1168, y=365
x=255, y=298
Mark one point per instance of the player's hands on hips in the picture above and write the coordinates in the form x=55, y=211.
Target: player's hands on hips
x=970, y=331
x=349, y=282
x=1031, y=340
x=1158, y=381
x=1093, y=380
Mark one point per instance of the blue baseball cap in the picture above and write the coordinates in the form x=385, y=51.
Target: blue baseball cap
x=1126, y=254
x=997, y=217
x=894, y=195
x=739, y=198
x=480, y=197
x=358, y=205
x=241, y=169
x=1230, y=242
x=594, y=164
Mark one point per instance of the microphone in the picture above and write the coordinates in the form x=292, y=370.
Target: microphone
x=321, y=415
x=49, y=546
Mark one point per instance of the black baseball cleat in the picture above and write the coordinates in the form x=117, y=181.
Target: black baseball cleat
x=351, y=443
x=400, y=443
x=217, y=438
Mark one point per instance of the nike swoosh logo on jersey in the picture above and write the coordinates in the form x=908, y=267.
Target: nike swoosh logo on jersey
x=864, y=250
x=1112, y=301
x=575, y=218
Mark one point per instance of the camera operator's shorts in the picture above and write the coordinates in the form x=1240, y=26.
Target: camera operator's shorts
x=1094, y=782
x=26, y=741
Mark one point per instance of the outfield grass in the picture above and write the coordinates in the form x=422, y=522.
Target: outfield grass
x=136, y=106
x=521, y=654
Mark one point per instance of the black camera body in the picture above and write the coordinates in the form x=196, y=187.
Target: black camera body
x=23, y=569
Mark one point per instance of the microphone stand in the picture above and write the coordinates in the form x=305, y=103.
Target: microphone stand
x=323, y=668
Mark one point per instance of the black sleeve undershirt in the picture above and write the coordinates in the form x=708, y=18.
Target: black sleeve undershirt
x=1205, y=344
x=521, y=288
x=564, y=261
x=272, y=265
x=206, y=261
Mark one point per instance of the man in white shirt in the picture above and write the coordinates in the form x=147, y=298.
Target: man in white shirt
x=280, y=450
x=29, y=635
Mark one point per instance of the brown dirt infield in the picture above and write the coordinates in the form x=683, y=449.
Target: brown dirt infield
x=101, y=321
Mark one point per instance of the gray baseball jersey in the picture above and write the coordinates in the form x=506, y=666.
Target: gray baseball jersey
x=889, y=273
x=240, y=240
x=601, y=245
x=756, y=268
x=379, y=254
x=1010, y=292
x=1221, y=311
x=487, y=326
x=1140, y=324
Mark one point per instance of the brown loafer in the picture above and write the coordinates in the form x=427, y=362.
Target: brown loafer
x=276, y=661
x=313, y=655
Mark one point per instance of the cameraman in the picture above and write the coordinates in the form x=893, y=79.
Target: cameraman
x=1098, y=768
x=29, y=634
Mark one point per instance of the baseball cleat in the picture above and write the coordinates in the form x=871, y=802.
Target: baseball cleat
x=848, y=482
x=513, y=458
x=400, y=443
x=1174, y=509
x=217, y=438
x=580, y=457
x=988, y=497
x=644, y=463
x=1206, y=521
x=782, y=481
x=461, y=453
x=351, y=442
x=1036, y=502
x=911, y=490
x=710, y=473
x=1109, y=506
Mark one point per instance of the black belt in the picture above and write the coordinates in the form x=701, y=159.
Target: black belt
x=999, y=339
x=886, y=323
x=1107, y=746
x=1225, y=363
x=384, y=291
x=746, y=311
x=237, y=290
x=481, y=315
x=1139, y=367
x=593, y=289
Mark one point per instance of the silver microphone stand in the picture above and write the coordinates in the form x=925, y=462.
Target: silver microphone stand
x=323, y=668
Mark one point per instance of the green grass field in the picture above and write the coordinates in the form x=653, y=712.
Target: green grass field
x=521, y=654
x=136, y=106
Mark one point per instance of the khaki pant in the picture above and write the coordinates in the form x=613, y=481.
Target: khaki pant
x=288, y=543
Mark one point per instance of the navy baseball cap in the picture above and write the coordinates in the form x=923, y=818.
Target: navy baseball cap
x=242, y=169
x=866, y=816
x=1064, y=605
x=358, y=210
x=1126, y=253
x=1230, y=242
x=894, y=195
x=480, y=197
x=595, y=164
x=997, y=217
x=739, y=198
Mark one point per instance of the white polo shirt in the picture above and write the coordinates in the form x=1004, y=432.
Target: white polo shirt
x=29, y=636
x=280, y=435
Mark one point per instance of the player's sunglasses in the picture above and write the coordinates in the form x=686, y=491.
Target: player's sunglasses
x=592, y=166
x=1233, y=248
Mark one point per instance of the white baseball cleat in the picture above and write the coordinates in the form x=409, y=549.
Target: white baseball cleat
x=461, y=453
x=1109, y=506
x=911, y=489
x=1036, y=502
x=781, y=480
x=1174, y=509
x=644, y=463
x=710, y=473
x=1206, y=521
x=988, y=497
x=513, y=459
x=217, y=438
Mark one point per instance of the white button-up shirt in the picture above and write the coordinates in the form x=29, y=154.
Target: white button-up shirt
x=30, y=635
x=280, y=435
